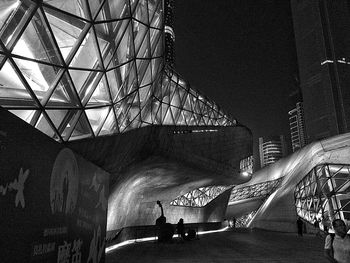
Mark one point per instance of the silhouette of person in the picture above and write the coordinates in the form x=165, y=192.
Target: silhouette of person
x=300, y=226
x=180, y=228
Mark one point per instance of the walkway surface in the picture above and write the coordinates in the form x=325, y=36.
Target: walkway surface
x=229, y=246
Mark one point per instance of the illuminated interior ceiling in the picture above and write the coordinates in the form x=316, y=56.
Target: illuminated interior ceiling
x=199, y=197
x=81, y=69
x=257, y=190
x=324, y=193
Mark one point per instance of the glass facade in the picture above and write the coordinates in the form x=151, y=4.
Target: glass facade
x=246, y=165
x=244, y=220
x=297, y=127
x=80, y=69
x=324, y=193
x=199, y=197
x=271, y=149
x=256, y=190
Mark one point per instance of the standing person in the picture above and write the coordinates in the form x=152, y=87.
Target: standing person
x=337, y=247
x=234, y=222
x=180, y=228
x=317, y=227
x=300, y=226
x=325, y=225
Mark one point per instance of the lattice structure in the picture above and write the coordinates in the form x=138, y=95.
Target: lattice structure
x=256, y=190
x=244, y=220
x=86, y=68
x=324, y=193
x=199, y=197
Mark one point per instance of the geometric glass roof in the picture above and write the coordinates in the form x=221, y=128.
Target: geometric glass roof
x=259, y=190
x=324, y=193
x=199, y=197
x=86, y=68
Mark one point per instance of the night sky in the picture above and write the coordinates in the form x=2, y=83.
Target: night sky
x=241, y=54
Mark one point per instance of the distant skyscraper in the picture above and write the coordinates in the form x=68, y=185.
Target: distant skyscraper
x=271, y=149
x=297, y=127
x=322, y=35
x=169, y=8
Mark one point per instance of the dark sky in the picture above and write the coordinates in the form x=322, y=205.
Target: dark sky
x=241, y=54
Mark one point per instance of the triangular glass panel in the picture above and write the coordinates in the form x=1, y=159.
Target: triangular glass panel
x=155, y=36
x=180, y=120
x=164, y=111
x=144, y=94
x=12, y=92
x=156, y=67
x=156, y=113
x=14, y=15
x=121, y=109
x=133, y=4
x=125, y=50
x=94, y=79
x=176, y=113
x=104, y=45
x=206, y=121
x=191, y=120
x=97, y=117
x=136, y=122
x=66, y=29
x=28, y=116
x=100, y=95
x=73, y=7
x=114, y=83
x=44, y=126
x=187, y=115
x=146, y=114
x=110, y=125
x=71, y=120
x=161, y=92
x=187, y=103
x=172, y=93
x=87, y=56
x=153, y=108
x=82, y=129
x=158, y=48
x=169, y=119
x=115, y=31
x=157, y=19
x=64, y=94
x=57, y=116
x=146, y=77
x=135, y=107
x=141, y=12
x=37, y=42
x=40, y=77
x=85, y=81
x=152, y=6
x=130, y=111
x=114, y=10
x=182, y=96
x=94, y=6
x=130, y=83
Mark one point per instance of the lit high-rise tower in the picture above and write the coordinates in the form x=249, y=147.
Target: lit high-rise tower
x=297, y=127
x=322, y=35
x=169, y=8
x=271, y=149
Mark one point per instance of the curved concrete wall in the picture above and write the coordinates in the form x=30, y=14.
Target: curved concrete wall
x=278, y=211
x=166, y=162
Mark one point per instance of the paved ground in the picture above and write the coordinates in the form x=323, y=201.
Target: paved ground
x=229, y=246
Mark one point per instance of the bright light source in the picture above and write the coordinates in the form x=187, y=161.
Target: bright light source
x=245, y=174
